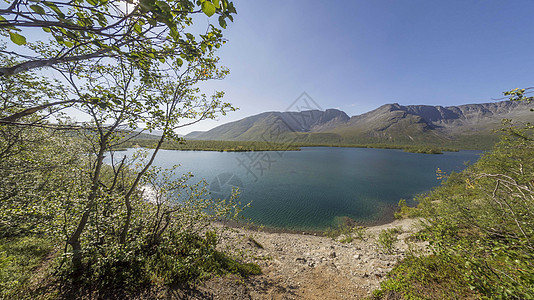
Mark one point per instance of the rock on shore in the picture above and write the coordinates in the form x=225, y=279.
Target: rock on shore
x=301, y=266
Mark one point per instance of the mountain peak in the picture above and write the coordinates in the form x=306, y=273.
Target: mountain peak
x=390, y=123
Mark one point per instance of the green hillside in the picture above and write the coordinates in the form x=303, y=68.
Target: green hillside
x=465, y=127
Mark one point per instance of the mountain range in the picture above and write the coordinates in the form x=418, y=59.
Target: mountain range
x=467, y=126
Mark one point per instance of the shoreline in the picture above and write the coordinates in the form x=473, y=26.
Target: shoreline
x=303, y=266
x=386, y=217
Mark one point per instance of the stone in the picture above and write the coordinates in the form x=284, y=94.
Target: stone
x=301, y=260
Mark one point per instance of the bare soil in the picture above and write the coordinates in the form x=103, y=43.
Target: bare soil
x=306, y=266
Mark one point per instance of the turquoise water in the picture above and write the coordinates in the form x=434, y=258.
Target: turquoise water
x=311, y=189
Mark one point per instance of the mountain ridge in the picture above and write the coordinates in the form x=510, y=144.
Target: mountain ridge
x=390, y=124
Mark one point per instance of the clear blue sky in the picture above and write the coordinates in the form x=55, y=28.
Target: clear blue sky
x=358, y=55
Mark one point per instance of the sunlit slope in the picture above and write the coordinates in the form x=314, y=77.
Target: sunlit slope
x=274, y=126
x=465, y=126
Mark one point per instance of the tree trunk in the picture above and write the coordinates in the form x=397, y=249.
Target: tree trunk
x=74, y=239
x=129, y=209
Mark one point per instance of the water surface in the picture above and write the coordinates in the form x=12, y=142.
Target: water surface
x=313, y=188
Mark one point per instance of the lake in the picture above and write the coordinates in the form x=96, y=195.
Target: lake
x=314, y=188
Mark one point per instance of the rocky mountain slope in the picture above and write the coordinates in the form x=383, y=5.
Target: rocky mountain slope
x=390, y=123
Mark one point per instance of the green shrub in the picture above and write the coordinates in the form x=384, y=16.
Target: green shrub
x=406, y=211
x=480, y=226
x=387, y=239
x=426, y=277
x=347, y=230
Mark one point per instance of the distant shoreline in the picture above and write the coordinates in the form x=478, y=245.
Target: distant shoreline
x=230, y=146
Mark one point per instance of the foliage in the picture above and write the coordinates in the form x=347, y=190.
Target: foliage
x=124, y=65
x=357, y=232
x=387, y=239
x=423, y=150
x=480, y=227
x=172, y=239
x=347, y=230
x=407, y=148
x=237, y=146
x=141, y=67
x=93, y=29
x=35, y=177
x=406, y=211
x=427, y=277
x=520, y=95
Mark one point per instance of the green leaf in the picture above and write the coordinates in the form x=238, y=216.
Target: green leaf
x=208, y=8
x=17, y=38
x=102, y=20
x=46, y=29
x=163, y=6
x=152, y=22
x=54, y=7
x=147, y=5
x=174, y=33
x=217, y=3
x=102, y=105
x=231, y=8
x=222, y=22
x=38, y=9
x=138, y=28
x=59, y=39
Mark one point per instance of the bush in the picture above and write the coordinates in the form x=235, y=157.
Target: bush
x=347, y=230
x=387, y=239
x=480, y=226
x=427, y=277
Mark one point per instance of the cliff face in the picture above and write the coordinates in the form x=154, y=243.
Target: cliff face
x=390, y=123
x=470, y=112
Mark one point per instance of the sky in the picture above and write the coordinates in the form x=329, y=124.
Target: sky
x=358, y=55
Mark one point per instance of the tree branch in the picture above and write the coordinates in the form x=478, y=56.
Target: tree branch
x=39, y=63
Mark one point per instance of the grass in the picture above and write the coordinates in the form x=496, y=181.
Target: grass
x=19, y=259
x=243, y=146
x=407, y=148
x=221, y=146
